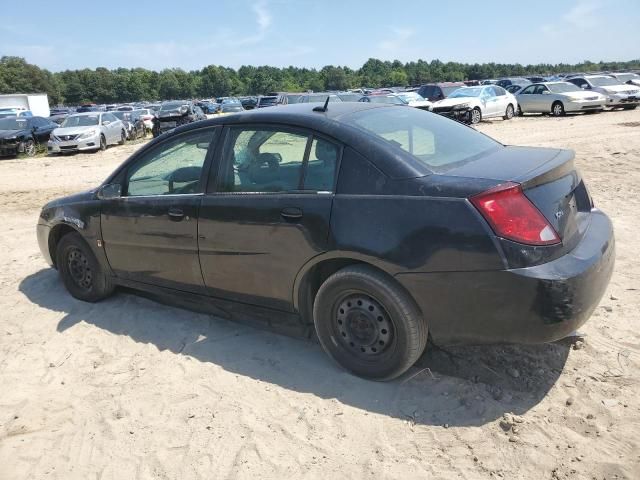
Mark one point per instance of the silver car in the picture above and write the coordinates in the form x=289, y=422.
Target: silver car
x=618, y=94
x=558, y=98
x=87, y=131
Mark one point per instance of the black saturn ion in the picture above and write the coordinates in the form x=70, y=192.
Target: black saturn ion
x=381, y=225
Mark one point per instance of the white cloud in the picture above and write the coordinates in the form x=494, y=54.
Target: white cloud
x=583, y=16
x=398, y=39
x=263, y=17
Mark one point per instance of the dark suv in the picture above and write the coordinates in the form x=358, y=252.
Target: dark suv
x=172, y=114
x=439, y=91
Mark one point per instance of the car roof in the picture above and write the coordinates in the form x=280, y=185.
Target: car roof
x=328, y=123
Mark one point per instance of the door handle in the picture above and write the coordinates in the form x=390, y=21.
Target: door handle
x=176, y=214
x=291, y=213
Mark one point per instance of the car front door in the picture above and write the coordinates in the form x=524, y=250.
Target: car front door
x=267, y=214
x=115, y=127
x=544, y=99
x=489, y=101
x=150, y=230
x=526, y=99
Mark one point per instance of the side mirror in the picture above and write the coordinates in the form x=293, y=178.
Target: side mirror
x=546, y=92
x=106, y=123
x=110, y=190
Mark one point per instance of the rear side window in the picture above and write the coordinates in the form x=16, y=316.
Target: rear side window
x=437, y=142
x=271, y=160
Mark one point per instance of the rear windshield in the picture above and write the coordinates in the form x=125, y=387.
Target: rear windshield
x=436, y=141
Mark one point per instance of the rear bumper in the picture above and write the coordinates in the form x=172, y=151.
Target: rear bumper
x=525, y=305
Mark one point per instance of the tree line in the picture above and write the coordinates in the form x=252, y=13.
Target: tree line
x=101, y=85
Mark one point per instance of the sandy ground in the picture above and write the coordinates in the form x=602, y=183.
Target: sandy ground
x=129, y=388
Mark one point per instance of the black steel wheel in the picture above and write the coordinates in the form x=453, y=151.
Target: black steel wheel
x=368, y=323
x=81, y=273
x=362, y=324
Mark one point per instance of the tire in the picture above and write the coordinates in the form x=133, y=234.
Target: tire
x=475, y=116
x=520, y=114
x=30, y=148
x=103, y=143
x=509, y=112
x=368, y=324
x=557, y=109
x=80, y=271
x=123, y=138
x=629, y=107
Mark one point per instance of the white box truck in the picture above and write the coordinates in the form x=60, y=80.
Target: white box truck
x=37, y=103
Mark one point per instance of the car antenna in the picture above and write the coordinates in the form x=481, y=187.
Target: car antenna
x=324, y=107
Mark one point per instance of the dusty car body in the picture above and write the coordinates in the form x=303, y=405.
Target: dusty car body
x=619, y=95
x=472, y=104
x=378, y=225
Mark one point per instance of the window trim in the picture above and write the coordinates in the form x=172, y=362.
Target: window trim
x=204, y=174
x=216, y=172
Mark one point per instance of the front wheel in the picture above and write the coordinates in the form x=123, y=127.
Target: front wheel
x=123, y=138
x=368, y=324
x=476, y=116
x=103, y=143
x=81, y=273
x=30, y=147
x=508, y=114
x=557, y=109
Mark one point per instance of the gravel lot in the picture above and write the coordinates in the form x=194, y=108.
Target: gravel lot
x=130, y=388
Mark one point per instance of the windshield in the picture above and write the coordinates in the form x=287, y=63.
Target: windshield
x=232, y=107
x=349, y=97
x=268, y=100
x=604, y=81
x=436, y=141
x=171, y=106
x=386, y=99
x=13, y=124
x=80, y=121
x=625, y=77
x=121, y=115
x=449, y=90
x=323, y=98
x=563, y=87
x=411, y=97
x=467, y=92
x=295, y=98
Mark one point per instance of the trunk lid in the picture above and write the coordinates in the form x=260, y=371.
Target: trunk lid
x=548, y=179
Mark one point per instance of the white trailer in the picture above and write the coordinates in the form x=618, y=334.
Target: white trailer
x=38, y=103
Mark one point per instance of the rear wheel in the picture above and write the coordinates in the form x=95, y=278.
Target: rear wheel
x=81, y=273
x=368, y=324
x=508, y=114
x=476, y=116
x=557, y=109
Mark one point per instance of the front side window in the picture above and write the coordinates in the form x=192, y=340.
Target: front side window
x=529, y=90
x=172, y=168
x=265, y=160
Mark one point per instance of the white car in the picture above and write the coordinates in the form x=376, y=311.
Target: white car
x=414, y=99
x=628, y=78
x=618, y=94
x=472, y=104
x=87, y=131
x=147, y=117
x=558, y=98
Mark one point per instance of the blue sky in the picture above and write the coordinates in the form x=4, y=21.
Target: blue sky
x=312, y=33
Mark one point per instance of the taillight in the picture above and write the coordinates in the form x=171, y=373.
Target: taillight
x=512, y=215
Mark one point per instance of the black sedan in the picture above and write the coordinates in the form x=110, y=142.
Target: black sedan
x=381, y=225
x=24, y=134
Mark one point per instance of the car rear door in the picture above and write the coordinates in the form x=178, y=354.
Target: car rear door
x=267, y=212
x=150, y=232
